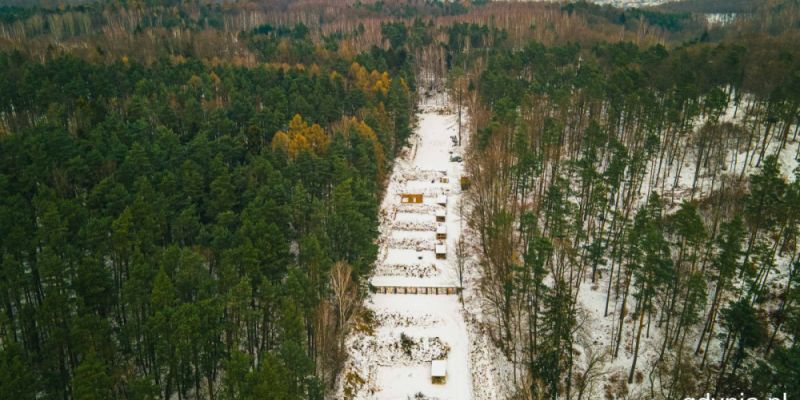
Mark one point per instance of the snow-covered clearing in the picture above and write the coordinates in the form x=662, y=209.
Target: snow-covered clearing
x=392, y=360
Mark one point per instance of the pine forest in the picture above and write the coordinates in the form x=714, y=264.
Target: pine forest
x=399, y=199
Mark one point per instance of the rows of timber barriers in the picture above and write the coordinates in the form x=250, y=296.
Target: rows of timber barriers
x=415, y=202
x=433, y=290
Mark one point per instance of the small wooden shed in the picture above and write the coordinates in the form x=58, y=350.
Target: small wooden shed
x=441, y=232
x=411, y=198
x=441, y=251
x=439, y=372
x=441, y=215
x=465, y=183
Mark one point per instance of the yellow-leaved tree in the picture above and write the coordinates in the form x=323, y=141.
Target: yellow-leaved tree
x=370, y=82
x=300, y=137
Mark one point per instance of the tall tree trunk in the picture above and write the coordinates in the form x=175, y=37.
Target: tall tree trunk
x=638, y=342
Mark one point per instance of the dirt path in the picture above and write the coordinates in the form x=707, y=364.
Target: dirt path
x=411, y=330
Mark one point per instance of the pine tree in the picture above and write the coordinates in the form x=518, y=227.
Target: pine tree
x=18, y=379
x=725, y=265
x=745, y=330
x=91, y=381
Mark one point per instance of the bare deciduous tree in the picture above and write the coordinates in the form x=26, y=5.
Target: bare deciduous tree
x=345, y=295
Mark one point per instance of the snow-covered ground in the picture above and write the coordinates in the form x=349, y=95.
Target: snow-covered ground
x=393, y=359
x=600, y=330
x=624, y=3
x=720, y=18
